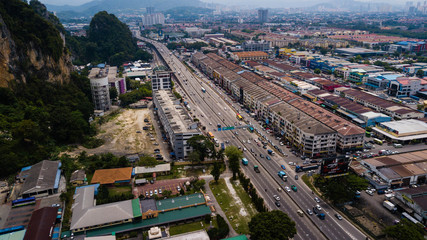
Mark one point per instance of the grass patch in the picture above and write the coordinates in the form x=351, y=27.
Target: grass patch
x=119, y=190
x=307, y=181
x=93, y=142
x=230, y=208
x=190, y=227
x=246, y=200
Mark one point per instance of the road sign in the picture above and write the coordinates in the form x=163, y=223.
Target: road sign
x=228, y=128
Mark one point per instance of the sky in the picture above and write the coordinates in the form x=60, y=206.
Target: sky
x=256, y=3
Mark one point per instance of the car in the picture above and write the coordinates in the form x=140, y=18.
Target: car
x=281, y=144
x=369, y=192
x=265, y=147
x=155, y=191
x=210, y=123
x=300, y=213
x=283, y=167
x=146, y=193
x=318, y=207
x=178, y=188
x=151, y=193
x=261, y=156
x=138, y=131
x=249, y=141
x=160, y=191
x=309, y=212
x=294, y=188
x=277, y=204
x=338, y=216
x=244, y=149
x=276, y=197
x=296, y=177
x=287, y=189
x=55, y=205
x=317, y=199
x=268, y=157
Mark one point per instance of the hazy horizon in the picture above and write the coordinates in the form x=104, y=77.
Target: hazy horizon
x=253, y=3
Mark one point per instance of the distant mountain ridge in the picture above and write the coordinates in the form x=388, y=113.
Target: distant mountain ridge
x=114, y=6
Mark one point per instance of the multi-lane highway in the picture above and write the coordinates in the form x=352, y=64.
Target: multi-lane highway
x=214, y=107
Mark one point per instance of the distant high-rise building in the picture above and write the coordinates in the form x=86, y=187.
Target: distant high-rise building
x=262, y=15
x=152, y=19
x=150, y=10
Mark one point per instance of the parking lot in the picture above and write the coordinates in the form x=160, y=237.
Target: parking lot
x=171, y=185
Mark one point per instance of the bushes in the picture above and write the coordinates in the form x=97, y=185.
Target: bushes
x=220, y=232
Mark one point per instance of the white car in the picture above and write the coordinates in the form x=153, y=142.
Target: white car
x=318, y=207
x=276, y=197
x=287, y=189
x=249, y=141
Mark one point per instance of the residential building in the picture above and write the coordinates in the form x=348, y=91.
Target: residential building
x=115, y=81
x=243, y=56
x=40, y=179
x=251, y=46
x=78, y=177
x=153, y=19
x=262, y=15
x=176, y=121
x=161, y=80
x=100, y=89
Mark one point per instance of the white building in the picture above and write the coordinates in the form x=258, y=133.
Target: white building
x=100, y=89
x=176, y=122
x=161, y=80
x=152, y=19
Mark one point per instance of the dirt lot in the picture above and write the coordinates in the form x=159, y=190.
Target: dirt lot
x=123, y=134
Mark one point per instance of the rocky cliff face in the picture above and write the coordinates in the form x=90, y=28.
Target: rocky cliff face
x=22, y=64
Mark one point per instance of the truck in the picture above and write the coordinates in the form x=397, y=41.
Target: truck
x=270, y=152
x=256, y=169
x=245, y=161
x=283, y=176
x=390, y=206
x=222, y=146
x=299, y=168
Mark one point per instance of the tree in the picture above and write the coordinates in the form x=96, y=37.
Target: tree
x=340, y=189
x=420, y=73
x=272, y=225
x=405, y=230
x=216, y=171
x=234, y=156
x=202, y=145
x=317, y=71
x=194, y=157
x=113, y=93
x=147, y=161
x=167, y=193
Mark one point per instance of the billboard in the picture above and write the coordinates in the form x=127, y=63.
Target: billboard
x=335, y=165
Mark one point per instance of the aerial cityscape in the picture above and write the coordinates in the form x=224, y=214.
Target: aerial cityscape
x=209, y=120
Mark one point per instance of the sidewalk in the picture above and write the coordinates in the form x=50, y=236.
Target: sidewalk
x=218, y=209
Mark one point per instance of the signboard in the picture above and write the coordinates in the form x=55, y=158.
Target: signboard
x=335, y=165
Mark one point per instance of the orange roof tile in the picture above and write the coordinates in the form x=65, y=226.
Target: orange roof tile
x=110, y=176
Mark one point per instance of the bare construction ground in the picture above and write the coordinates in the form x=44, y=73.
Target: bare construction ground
x=123, y=134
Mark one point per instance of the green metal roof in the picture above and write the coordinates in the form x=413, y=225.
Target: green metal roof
x=163, y=218
x=180, y=201
x=240, y=237
x=136, y=208
x=18, y=235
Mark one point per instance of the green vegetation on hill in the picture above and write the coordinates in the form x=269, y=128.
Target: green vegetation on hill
x=38, y=116
x=108, y=40
x=30, y=30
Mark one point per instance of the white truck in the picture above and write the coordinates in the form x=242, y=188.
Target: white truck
x=390, y=206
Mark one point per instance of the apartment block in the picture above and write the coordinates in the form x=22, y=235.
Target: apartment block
x=100, y=88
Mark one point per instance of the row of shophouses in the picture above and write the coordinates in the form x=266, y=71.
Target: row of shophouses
x=311, y=129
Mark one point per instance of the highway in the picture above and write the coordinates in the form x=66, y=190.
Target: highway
x=215, y=107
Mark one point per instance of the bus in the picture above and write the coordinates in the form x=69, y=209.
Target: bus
x=239, y=117
x=378, y=141
x=211, y=135
x=203, y=89
x=410, y=218
x=23, y=202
